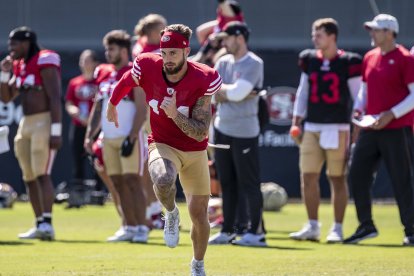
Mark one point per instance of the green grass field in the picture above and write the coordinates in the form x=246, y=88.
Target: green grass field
x=80, y=247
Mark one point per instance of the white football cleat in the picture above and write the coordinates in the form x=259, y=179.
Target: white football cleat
x=120, y=231
x=335, y=235
x=197, y=268
x=31, y=234
x=307, y=233
x=141, y=235
x=126, y=236
x=222, y=238
x=249, y=239
x=47, y=231
x=172, y=228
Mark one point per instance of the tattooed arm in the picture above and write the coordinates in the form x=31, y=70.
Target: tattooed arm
x=195, y=127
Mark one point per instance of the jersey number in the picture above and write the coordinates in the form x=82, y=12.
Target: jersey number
x=154, y=105
x=330, y=97
x=182, y=109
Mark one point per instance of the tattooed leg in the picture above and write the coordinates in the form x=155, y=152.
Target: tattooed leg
x=163, y=174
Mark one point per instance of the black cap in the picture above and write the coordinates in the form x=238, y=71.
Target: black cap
x=23, y=33
x=235, y=6
x=235, y=28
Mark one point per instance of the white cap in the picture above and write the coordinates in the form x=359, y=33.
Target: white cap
x=383, y=21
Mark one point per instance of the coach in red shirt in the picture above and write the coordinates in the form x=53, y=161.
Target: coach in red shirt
x=387, y=97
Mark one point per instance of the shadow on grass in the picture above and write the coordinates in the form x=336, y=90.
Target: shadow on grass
x=79, y=241
x=279, y=238
x=378, y=245
x=150, y=242
x=15, y=243
x=278, y=232
x=274, y=247
x=162, y=244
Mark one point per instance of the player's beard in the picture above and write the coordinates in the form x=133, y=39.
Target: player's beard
x=175, y=69
x=116, y=60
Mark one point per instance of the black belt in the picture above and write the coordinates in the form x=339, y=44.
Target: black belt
x=25, y=88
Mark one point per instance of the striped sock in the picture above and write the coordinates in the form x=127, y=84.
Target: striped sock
x=39, y=220
x=47, y=217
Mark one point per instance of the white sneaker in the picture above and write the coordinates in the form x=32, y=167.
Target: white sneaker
x=127, y=236
x=222, y=238
x=249, y=239
x=335, y=235
x=120, y=231
x=306, y=233
x=47, y=232
x=142, y=234
x=171, y=228
x=197, y=268
x=33, y=233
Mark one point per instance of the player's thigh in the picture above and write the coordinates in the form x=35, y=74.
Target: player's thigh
x=311, y=156
x=42, y=156
x=195, y=176
x=22, y=152
x=134, y=163
x=163, y=151
x=336, y=159
x=112, y=156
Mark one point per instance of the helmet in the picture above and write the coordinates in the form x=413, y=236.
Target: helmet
x=274, y=196
x=7, y=195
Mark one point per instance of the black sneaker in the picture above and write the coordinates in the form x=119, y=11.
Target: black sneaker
x=409, y=241
x=363, y=232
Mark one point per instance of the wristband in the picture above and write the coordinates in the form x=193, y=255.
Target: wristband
x=56, y=129
x=4, y=77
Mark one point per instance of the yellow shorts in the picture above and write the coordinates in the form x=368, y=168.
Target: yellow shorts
x=192, y=167
x=115, y=164
x=31, y=146
x=312, y=156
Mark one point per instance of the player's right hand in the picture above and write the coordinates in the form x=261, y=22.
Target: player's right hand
x=356, y=114
x=295, y=133
x=87, y=145
x=6, y=64
x=112, y=114
x=55, y=142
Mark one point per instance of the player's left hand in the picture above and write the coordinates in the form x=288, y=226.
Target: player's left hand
x=383, y=120
x=55, y=142
x=169, y=105
x=112, y=114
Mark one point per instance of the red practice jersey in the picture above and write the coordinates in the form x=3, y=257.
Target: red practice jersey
x=106, y=77
x=81, y=93
x=200, y=80
x=142, y=46
x=387, y=78
x=28, y=74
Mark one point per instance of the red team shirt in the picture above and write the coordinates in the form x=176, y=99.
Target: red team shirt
x=28, y=74
x=200, y=80
x=142, y=46
x=106, y=77
x=387, y=77
x=81, y=93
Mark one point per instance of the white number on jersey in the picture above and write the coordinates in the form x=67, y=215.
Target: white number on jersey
x=185, y=110
x=154, y=105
